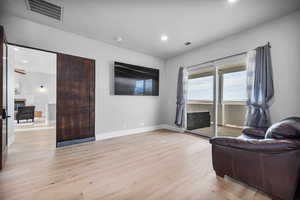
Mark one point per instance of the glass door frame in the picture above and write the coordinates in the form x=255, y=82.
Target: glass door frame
x=213, y=69
x=217, y=69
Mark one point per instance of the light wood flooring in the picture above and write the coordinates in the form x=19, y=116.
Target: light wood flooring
x=36, y=125
x=222, y=131
x=148, y=166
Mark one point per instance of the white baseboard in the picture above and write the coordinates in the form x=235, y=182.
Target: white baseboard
x=172, y=128
x=113, y=134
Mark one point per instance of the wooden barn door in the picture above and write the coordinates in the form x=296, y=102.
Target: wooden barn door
x=3, y=99
x=75, y=100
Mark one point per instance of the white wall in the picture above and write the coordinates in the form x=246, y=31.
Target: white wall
x=284, y=36
x=30, y=89
x=115, y=113
x=10, y=98
x=112, y=112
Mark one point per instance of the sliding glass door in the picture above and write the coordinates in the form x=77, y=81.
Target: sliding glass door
x=201, y=102
x=216, y=99
x=232, y=101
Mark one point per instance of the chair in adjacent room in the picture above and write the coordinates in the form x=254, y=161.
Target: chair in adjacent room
x=25, y=113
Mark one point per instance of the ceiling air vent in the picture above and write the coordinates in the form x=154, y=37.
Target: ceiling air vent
x=45, y=8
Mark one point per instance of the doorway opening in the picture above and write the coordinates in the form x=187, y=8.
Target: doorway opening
x=33, y=89
x=48, y=99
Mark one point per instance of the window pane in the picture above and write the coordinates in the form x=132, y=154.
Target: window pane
x=234, y=86
x=139, y=87
x=201, y=89
x=148, y=87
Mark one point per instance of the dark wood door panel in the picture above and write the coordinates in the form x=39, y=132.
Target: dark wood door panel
x=75, y=99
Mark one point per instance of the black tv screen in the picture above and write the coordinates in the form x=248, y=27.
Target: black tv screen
x=135, y=80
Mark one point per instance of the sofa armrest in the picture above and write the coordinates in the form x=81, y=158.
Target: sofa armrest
x=258, y=133
x=255, y=145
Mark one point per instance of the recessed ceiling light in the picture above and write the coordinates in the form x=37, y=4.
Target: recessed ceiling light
x=164, y=38
x=16, y=49
x=42, y=88
x=187, y=43
x=119, y=39
x=232, y=1
x=25, y=61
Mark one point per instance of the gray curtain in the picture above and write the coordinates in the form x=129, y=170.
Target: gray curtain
x=262, y=91
x=179, y=119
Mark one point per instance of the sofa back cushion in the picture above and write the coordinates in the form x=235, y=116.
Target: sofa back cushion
x=257, y=133
x=286, y=129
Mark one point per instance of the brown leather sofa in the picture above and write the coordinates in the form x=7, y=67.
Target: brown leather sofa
x=266, y=159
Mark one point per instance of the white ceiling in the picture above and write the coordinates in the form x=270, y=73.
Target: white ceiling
x=141, y=22
x=32, y=60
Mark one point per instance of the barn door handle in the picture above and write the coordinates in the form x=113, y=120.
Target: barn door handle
x=4, y=115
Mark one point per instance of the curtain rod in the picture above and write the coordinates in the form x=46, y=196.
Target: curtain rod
x=223, y=58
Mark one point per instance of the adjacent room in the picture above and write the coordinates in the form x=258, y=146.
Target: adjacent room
x=34, y=81
x=150, y=100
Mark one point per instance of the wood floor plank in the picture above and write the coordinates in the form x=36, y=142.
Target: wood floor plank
x=148, y=166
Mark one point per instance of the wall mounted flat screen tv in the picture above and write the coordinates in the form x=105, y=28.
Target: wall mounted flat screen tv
x=135, y=80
